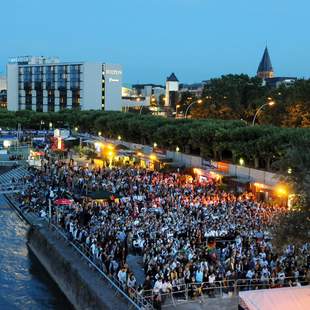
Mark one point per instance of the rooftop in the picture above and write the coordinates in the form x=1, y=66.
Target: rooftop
x=265, y=64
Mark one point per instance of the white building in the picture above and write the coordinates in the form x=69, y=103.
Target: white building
x=172, y=88
x=45, y=84
x=2, y=82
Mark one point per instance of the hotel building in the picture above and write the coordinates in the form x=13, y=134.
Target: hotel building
x=45, y=84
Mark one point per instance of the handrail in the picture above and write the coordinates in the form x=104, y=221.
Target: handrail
x=130, y=300
x=217, y=288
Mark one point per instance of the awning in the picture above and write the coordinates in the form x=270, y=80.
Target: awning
x=121, y=147
x=241, y=180
x=222, y=173
x=70, y=139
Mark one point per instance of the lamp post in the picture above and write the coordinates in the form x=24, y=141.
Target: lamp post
x=270, y=103
x=198, y=101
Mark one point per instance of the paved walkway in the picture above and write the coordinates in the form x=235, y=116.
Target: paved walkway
x=135, y=264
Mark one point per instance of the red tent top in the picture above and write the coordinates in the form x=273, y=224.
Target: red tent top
x=63, y=202
x=38, y=153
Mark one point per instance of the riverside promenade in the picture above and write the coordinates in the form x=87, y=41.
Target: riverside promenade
x=83, y=284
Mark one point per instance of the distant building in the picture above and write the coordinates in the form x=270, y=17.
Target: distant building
x=44, y=84
x=3, y=85
x=275, y=82
x=195, y=89
x=149, y=89
x=172, y=89
x=3, y=99
x=265, y=69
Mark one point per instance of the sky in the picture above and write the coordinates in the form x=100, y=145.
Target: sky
x=196, y=39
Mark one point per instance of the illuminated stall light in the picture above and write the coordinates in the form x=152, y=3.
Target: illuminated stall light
x=59, y=143
x=6, y=143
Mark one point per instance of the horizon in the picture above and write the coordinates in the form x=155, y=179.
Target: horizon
x=151, y=40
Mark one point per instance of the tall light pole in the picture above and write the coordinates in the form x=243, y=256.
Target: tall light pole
x=270, y=103
x=198, y=101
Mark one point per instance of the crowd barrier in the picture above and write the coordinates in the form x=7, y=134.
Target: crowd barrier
x=194, y=292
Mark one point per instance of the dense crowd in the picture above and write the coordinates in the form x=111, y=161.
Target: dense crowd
x=189, y=232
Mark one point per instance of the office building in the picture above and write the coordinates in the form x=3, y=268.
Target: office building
x=44, y=84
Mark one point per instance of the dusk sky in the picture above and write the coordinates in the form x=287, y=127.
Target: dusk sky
x=196, y=39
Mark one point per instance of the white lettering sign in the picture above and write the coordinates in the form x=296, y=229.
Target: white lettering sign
x=113, y=80
x=114, y=72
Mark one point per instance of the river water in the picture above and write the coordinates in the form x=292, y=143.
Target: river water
x=24, y=283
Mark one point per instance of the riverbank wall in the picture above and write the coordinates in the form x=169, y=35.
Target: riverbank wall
x=81, y=283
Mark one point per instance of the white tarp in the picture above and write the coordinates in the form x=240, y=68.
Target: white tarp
x=289, y=298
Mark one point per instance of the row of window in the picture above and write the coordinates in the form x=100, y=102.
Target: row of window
x=50, y=107
x=72, y=69
x=50, y=86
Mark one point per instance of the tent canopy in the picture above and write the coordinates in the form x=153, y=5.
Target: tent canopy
x=63, y=202
x=289, y=298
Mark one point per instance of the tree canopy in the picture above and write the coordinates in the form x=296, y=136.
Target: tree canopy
x=259, y=146
x=239, y=97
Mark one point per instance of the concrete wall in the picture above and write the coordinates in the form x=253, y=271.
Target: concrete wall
x=81, y=285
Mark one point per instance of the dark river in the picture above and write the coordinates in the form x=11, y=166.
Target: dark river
x=24, y=283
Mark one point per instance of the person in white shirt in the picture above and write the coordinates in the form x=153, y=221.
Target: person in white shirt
x=122, y=276
x=158, y=286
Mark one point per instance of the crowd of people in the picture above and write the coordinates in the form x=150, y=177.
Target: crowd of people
x=190, y=233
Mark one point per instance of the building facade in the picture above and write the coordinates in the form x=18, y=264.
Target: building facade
x=3, y=82
x=45, y=84
x=172, y=89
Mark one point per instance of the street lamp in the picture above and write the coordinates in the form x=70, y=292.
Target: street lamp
x=99, y=133
x=198, y=101
x=177, y=149
x=270, y=103
x=155, y=145
x=176, y=110
x=119, y=138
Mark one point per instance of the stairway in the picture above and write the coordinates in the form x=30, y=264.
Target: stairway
x=10, y=182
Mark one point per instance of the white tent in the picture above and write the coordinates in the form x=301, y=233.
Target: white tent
x=289, y=298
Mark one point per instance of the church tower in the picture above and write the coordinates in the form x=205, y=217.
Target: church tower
x=172, y=88
x=265, y=69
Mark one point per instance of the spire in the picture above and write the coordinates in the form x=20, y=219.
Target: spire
x=265, y=69
x=172, y=78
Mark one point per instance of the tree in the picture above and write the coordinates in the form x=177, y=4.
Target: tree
x=294, y=227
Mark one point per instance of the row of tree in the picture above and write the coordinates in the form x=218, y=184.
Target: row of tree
x=239, y=97
x=258, y=146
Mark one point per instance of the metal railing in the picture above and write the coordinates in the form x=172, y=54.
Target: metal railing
x=11, y=188
x=194, y=292
x=135, y=299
